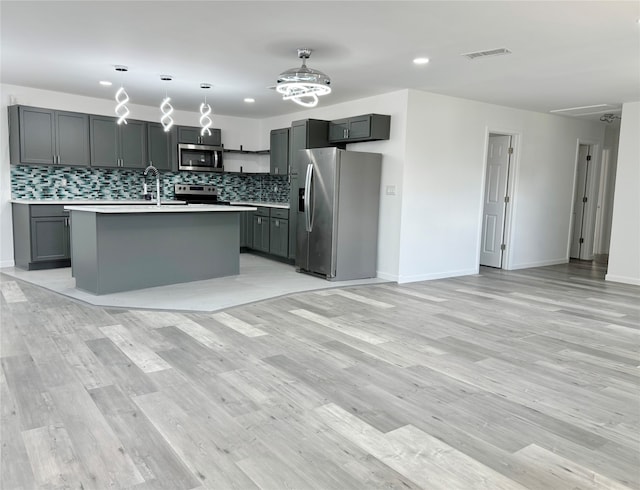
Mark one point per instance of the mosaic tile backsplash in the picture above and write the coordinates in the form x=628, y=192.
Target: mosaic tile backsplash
x=54, y=182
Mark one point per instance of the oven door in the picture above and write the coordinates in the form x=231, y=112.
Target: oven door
x=200, y=158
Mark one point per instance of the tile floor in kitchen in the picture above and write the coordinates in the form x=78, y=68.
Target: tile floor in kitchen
x=260, y=278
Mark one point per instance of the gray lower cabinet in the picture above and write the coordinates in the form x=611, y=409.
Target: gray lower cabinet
x=118, y=145
x=162, y=147
x=279, y=237
x=261, y=233
x=246, y=229
x=368, y=127
x=47, y=137
x=293, y=214
x=269, y=231
x=191, y=135
x=40, y=236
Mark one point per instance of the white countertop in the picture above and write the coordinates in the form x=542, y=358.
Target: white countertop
x=153, y=208
x=281, y=205
x=84, y=202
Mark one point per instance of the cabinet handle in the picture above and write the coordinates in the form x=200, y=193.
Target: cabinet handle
x=344, y=133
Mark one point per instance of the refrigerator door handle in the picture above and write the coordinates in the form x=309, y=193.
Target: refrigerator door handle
x=307, y=197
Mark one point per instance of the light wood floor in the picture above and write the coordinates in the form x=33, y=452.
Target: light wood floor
x=523, y=379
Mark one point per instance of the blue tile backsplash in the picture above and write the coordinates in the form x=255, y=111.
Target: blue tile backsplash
x=54, y=182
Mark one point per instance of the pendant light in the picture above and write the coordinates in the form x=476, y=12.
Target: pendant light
x=165, y=107
x=303, y=85
x=205, y=111
x=122, y=111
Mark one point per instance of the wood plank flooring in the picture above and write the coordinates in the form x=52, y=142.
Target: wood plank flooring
x=504, y=380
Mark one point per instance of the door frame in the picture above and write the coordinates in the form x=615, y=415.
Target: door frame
x=593, y=183
x=509, y=222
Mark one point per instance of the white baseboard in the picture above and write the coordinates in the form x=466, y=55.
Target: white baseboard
x=387, y=277
x=438, y=275
x=7, y=263
x=624, y=279
x=541, y=263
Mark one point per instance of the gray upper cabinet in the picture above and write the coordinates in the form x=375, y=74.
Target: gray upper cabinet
x=47, y=137
x=368, y=127
x=279, y=151
x=191, y=135
x=114, y=145
x=162, y=149
x=308, y=133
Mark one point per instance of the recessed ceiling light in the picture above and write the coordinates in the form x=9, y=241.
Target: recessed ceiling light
x=421, y=61
x=106, y=83
x=249, y=100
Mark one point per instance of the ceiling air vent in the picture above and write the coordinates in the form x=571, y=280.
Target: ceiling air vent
x=488, y=52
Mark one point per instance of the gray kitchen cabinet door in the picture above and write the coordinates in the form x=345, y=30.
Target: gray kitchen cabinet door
x=49, y=238
x=246, y=229
x=72, y=138
x=279, y=151
x=161, y=147
x=191, y=135
x=133, y=144
x=338, y=129
x=104, y=141
x=37, y=136
x=188, y=135
x=213, y=139
x=368, y=127
x=293, y=214
x=279, y=237
x=360, y=127
x=261, y=234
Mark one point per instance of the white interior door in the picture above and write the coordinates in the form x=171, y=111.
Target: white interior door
x=579, y=203
x=495, y=202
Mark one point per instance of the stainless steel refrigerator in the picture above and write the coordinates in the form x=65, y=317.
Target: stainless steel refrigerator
x=338, y=204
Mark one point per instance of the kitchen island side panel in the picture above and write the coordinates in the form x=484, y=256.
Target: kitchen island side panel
x=84, y=250
x=136, y=251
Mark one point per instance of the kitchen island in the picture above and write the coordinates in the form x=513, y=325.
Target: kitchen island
x=121, y=248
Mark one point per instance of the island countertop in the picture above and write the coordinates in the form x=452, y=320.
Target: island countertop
x=154, y=208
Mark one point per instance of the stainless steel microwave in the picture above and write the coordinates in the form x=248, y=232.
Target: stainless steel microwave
x=203, y=158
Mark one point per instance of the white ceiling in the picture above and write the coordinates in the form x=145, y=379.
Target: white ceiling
x=565, y=54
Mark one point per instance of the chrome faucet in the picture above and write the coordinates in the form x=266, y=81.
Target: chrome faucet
x=155, y=170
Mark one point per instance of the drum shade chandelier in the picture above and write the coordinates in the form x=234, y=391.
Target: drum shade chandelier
x=303, y=85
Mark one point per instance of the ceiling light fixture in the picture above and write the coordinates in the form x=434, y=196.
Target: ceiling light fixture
x=205, y=110
x=421, y=61
x=249, y=100
x=303, y=85
x=122, y=111
x=165, y=107
x=105, y=83
x=609, y=118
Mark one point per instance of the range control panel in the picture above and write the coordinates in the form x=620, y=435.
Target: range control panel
x=203, y=190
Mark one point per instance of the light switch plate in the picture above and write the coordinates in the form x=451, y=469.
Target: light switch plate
x=391, y=190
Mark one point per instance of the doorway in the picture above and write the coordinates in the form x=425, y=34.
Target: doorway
x=583, y=223
x=496, y=200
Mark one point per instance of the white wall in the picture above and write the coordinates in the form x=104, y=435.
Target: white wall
x=236, y=131
x=611, y=138
x=444, y=179
x=624, y=249
x=394, y=104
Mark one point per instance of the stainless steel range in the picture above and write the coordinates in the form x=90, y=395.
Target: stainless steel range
x=197, y=194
